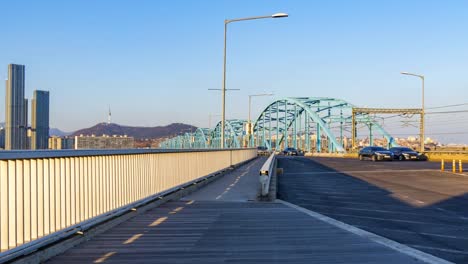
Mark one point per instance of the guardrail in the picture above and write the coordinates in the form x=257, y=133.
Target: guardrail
x=446, y=155
x=48, y=195
x=266, y=173
x=447, y=152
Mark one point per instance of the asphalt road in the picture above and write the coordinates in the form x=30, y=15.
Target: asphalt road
x=409, y=202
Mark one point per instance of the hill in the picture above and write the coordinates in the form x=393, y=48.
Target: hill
x=136, y=132
x=57, y=132
x=52, y=131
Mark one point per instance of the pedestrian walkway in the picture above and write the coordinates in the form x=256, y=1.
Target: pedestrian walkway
x=222, y=223
x=240, y=185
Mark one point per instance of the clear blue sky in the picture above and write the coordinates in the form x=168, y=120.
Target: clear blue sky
x=153, y=61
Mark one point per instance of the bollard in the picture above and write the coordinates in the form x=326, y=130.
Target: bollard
x=454, y=166
x=460, y=166
x=442, y=165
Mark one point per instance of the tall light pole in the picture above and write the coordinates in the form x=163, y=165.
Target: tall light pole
x=422, y=109
x=226, y=22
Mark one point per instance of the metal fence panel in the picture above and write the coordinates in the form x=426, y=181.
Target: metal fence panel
x=44, y=192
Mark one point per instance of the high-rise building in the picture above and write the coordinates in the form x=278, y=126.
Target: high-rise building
x=16, y=109
x=2, y=138
x=40, y=120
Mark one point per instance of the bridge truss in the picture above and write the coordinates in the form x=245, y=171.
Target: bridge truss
x=313, y=124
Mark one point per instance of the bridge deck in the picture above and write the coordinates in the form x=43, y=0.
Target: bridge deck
x=412, y=203
x=215, y=225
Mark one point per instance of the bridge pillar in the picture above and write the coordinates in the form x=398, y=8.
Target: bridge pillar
x=319, y=139
x=307, y=132
x=285, y=137
x=341, y=127
x=294, y=139
x=277, y=147
x=269, y=130
x=256, y=137
x=300, y=143
x=251, y=136
x=263, y=142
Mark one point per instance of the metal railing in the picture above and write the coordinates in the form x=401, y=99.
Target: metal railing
x=266, y=172
x=45, y=194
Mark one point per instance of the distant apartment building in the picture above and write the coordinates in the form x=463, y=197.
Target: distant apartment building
x=40, y=120
x=2, y=138
x=16, y=109
x=61, y=143
x=104, y=142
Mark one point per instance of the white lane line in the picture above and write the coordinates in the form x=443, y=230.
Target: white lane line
x=424, y=257
x=455, y=173
x=453, y=213
x=393, y=212
x=409, y=199
x=394, y=220
x=245, y=172
x=355, y=171
x=442, y=249
x=396, y=208
x=412, y=232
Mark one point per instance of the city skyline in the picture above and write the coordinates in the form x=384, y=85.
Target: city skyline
x=16, y=109
x=18, y=135
x=317, y=51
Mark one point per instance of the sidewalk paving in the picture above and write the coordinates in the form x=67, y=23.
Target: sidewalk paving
x=221, y=224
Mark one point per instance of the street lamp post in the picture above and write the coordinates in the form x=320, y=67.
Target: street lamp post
x=422, y=109
x=249, y=121
x=226, y=22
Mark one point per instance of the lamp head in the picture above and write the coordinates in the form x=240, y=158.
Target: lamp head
x=279, y=15
x=413, y=74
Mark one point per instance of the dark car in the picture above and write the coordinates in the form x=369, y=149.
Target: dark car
x=262, y=151
x=375, y=153
x=290, y=152
x=404, y=153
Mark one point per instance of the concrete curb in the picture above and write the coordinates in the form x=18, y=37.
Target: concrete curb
x=272, y=194
x=419, y=255
x=60, y=247
x=272, y=189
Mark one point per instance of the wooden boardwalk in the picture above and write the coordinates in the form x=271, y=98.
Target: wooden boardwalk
x=213, y=225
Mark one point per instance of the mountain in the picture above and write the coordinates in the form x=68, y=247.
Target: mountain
x=57, y=132
x=136, y=132
x=52, y=131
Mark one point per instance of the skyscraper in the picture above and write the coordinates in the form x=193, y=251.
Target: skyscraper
x=40, y=120
x=16, y=109
x=2, y=138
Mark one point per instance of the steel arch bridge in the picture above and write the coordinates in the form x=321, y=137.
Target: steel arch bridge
x=313, y=124
x=210, y=138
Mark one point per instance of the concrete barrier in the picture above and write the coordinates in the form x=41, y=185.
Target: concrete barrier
x=267, y=179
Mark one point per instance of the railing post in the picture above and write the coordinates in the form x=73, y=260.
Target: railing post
x=4, y=205
x=460, y=166
x=454, y=166
x=442, y=165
